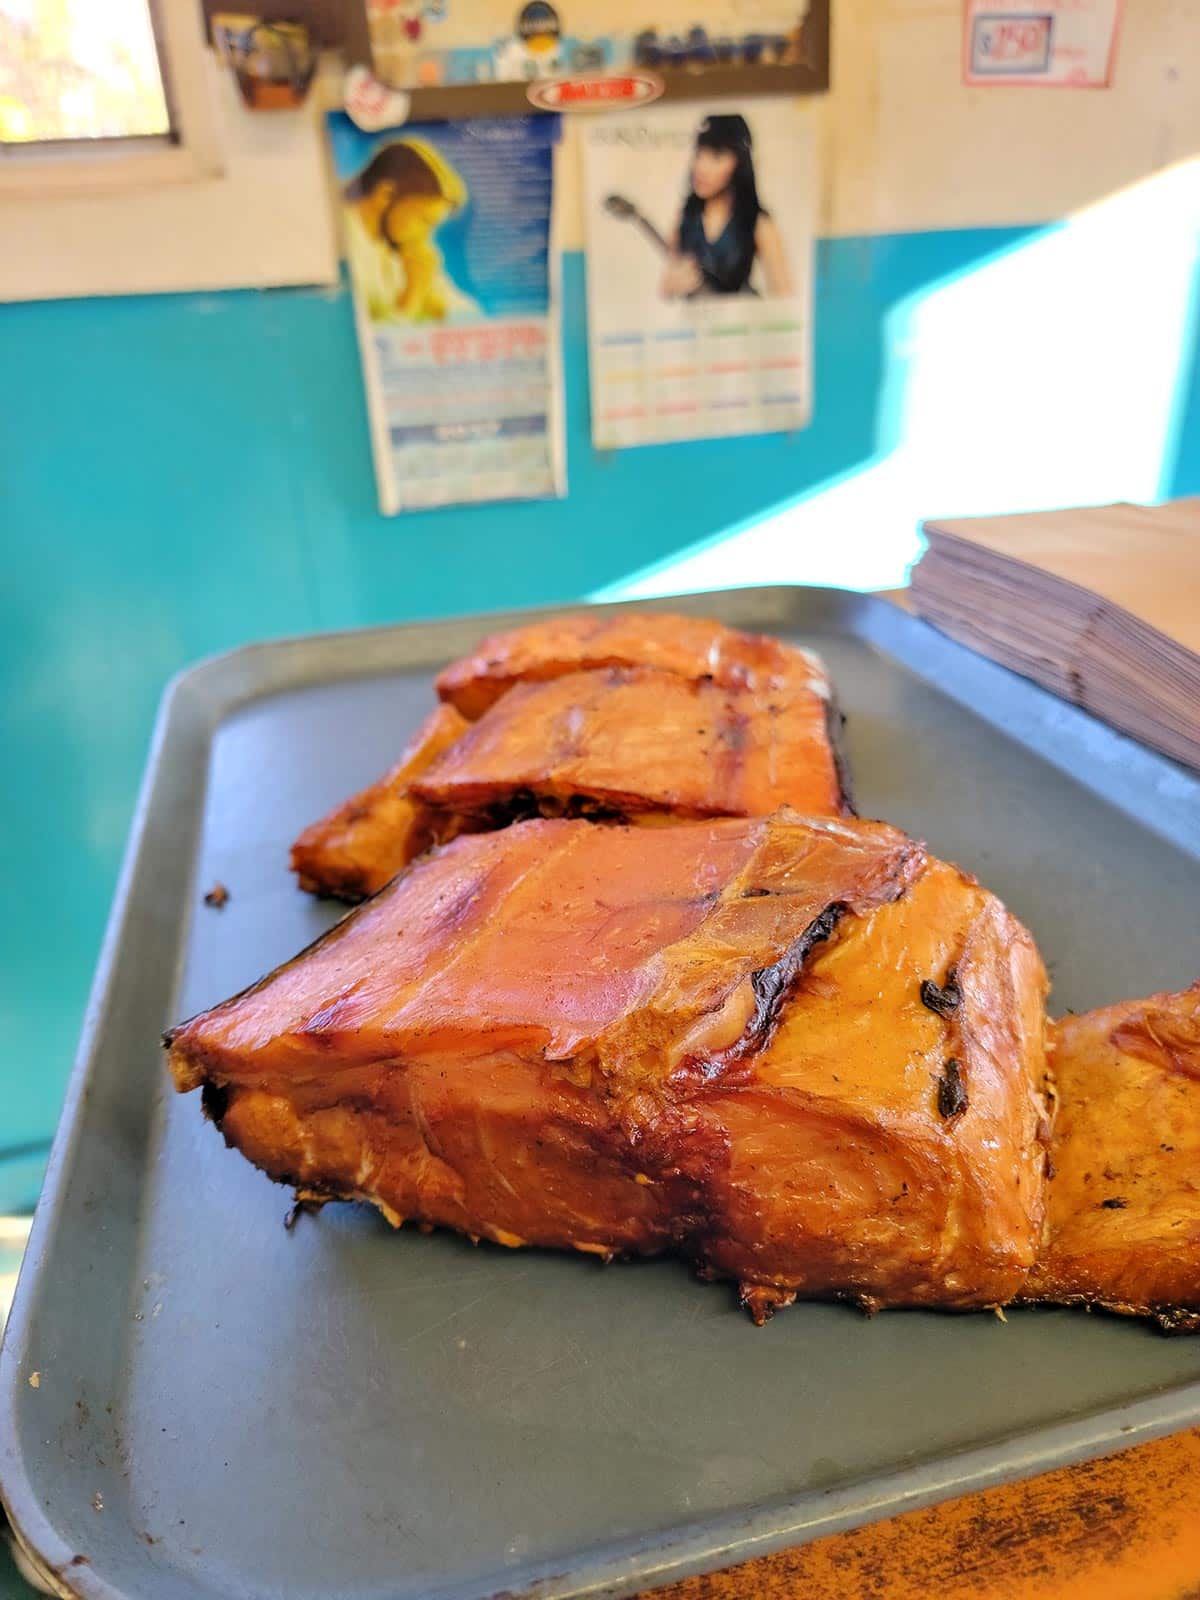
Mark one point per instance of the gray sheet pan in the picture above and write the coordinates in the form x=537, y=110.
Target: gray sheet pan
x=227, y=1409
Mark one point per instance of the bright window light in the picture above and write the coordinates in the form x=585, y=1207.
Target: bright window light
x=79, y=69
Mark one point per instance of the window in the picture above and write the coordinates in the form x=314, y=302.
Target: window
x=75, y=70
x=104, y=95
x=130, y=165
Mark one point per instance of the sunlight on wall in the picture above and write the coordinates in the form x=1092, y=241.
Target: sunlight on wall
x=1048, y=376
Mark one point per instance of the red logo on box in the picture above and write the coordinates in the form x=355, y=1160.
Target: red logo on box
x=595, y=93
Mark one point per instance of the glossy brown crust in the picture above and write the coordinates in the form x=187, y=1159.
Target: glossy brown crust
x=633, y=740
x=363, y=843
x=1123, y=1225
x=709, y=1039
x=690, y=647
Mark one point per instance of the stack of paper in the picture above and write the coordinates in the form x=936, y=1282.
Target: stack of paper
x=1101, y=605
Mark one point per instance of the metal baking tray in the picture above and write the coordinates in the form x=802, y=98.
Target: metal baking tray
x=227, y=1409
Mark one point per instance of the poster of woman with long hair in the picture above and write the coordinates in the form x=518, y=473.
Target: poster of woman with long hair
x=724, y=231
x=447, y=230
x=700, y=224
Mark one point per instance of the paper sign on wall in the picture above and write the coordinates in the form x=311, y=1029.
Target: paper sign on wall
x=1054, y=43
x=700, y=222
x=447, y=236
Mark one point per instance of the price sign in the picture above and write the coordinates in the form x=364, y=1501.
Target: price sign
x=1067, y=44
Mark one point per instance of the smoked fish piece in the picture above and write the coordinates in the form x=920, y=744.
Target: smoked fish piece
x=643, y=717
x=1123, y=1214
x=361, y=844
x=628, y=741
x=690, y=647
x=882, y=1148
x=795, y=1051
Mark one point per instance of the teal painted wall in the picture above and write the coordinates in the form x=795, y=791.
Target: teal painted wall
x=182, y=474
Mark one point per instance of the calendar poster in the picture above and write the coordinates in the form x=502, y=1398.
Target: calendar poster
x=447, y=230
x=700, y=221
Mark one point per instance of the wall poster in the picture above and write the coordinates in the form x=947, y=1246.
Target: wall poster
x=447, y=230
x=700, y=221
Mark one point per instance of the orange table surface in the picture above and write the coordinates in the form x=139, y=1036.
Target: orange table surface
x=1123, y=1528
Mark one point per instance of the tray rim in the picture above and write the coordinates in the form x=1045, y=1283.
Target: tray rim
x=691, y=1548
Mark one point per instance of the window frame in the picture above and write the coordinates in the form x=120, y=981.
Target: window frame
x=188, y=152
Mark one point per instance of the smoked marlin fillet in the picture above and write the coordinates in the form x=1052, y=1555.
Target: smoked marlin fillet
x=797, y=1051
x=637, y=743
x=365, y=841
x=693, y=648
x=639, y=717
x=1123, y=1222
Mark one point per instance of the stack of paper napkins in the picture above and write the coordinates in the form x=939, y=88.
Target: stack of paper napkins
x=1101, y=605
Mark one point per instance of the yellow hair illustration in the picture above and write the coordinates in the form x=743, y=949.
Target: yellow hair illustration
x=394, y=206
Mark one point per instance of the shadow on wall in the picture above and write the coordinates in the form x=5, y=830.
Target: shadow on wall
x=1064, y=370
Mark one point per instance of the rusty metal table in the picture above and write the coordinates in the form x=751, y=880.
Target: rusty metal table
x=1123, y=1528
